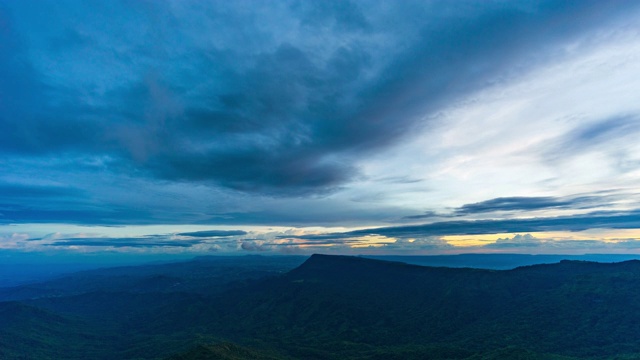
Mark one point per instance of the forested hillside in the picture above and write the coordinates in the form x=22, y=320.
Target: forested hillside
x=332, y=307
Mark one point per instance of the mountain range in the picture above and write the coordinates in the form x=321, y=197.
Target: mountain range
x=327, y=307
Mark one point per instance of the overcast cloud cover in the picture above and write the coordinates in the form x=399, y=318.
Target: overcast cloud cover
x=291, y=126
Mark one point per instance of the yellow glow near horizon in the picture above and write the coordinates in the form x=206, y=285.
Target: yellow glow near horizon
x=606, y=235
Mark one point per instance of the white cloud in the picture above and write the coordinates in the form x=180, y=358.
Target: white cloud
x=495, y=142
x=14, y=241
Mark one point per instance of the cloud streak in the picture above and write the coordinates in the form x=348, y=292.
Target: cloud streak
x=601, y=220
x=213, y=233
x=123, y=243
x=531, y=204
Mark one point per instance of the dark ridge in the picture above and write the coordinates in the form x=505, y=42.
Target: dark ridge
x=323, y=261
x=583, y=265
x=344, y=262
x=373, y=274
x=570, y=308
x=338, y=269
x=502, y=261
x=335, y=263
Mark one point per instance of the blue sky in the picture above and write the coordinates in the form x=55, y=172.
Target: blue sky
x=409, y=127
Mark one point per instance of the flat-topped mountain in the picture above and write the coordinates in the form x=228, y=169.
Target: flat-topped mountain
x=331, y=307
x=572, y=308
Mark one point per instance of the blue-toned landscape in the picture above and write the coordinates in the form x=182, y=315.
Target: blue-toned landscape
x=327, y=307
x=336, y=179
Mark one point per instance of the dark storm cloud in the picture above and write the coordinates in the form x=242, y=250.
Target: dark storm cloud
x=277, y=99
x=213, y=233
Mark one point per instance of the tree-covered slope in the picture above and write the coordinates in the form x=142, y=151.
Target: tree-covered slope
x=28, y=332
x=571, y=308
x=223, y=351
x=335, y=307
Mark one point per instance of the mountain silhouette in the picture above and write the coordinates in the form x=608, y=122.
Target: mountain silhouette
x=329, y=307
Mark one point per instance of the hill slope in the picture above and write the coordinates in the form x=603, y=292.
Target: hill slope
x=572, y=308
x=333, y=307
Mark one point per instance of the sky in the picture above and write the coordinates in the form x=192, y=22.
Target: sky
x=296, y=127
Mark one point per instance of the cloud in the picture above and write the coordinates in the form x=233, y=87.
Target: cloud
x=213, y=233
x=599, y=219
x=515, y=205
x=421, y=243
x=600, y=135
x=78, y=214
x=254, y=246
x=13, y=240
x=517, y=241
x=425, y=215
x=133, y=242
x=99, y=240
x=530, y=203
x=626, y=244
x=528, y=242
x=282, y=108
x=275, y=113
x=24, y=191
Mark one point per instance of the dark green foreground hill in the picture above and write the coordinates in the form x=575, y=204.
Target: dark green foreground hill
x=574, y=309
x=339, y=307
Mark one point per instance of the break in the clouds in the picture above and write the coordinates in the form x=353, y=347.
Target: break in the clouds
x=333, y=113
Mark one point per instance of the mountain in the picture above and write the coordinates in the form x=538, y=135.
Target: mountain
x=572, y=308
x=330, y=307
x=28, y=332
x=122, y=309
x=499, y=261
x=204, y=274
